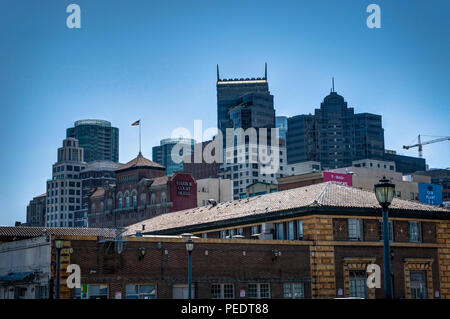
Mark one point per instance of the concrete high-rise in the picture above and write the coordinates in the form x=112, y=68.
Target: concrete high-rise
x=334, y=136
x=64, y=188
x=98, y=138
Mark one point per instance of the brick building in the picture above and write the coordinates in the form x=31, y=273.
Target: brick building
x=142, y=190
x=309, y=242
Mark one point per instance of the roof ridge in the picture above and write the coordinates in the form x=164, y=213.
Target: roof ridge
x=320, y=195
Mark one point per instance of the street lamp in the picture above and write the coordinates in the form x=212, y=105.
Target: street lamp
x=384, y=191
x=190, y=248
x=59, y=243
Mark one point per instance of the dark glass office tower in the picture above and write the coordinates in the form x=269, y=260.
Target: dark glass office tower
x=99, y=140
x=244, y=103
x=334, y=136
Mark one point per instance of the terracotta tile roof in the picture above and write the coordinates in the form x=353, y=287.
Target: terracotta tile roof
x=160, y=180
x=28, y=232
x=100, y=191
x=139, y=162
x=318, y=195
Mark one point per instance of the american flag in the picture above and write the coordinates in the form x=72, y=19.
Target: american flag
x=138, y=122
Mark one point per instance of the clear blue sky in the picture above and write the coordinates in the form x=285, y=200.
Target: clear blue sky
x=156, y=60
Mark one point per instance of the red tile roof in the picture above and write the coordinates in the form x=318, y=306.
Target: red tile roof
x=139, y=162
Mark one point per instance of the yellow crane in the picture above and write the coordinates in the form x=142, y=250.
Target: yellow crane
x=419, y=143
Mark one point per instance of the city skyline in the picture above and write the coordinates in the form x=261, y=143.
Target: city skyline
x=157, y=62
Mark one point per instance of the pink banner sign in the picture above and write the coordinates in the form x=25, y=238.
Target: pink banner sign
x=343, y=179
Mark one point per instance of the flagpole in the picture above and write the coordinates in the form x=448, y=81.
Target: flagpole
x=139, y=136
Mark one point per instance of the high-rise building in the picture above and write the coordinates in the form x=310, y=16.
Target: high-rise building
x=244, y=103
x=201, y=169
x=171, y=158
x=247, y=104
x=64, y=188
x=334, y=136
x=98, y=138
x=281, y=122
x=405, y=164
x=36, y=211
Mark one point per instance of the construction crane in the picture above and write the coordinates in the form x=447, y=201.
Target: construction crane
x=420, y=143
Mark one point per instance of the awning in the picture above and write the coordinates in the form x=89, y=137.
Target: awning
x=16, y=276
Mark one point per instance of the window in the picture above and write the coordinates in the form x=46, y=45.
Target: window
x=143, y=199
x=254, y=230
x=127, y=201
x=163, y=197
x=98, y=291
x=259, y=291
x=223, y=234
x=222, y=291
x=299, y=229
x=418, y=285
x=134, y=200
x=414, y=232
x=153, y=199
x=358, y=287
x=355, y=229
x=280, y=231
x=290, y=231
x=294, y=291
x=120, y=202
x=141, y=292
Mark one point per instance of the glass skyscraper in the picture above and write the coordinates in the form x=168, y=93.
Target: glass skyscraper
x=162, y=154
x=98, y=138
x=334, y=136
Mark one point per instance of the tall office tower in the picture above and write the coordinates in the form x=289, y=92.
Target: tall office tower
x=246, y=104
x=64, y=188
x=334, y=136
x=36, y=211
x=281, y=122
x=171, y=158
x=98, y=138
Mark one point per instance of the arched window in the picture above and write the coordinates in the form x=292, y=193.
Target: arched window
x=153, y=199
x=102, y=207
x=127, y=201
x=93, y=208
x=120, y=201
x=109, y=203
x=143, y=199
x=134, y=200
x=163, y=197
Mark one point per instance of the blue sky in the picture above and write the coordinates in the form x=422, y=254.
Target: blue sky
x=156, y=60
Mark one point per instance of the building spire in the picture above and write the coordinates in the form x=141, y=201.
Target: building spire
x=332, y=84
x=218, y=73
x=265, y=72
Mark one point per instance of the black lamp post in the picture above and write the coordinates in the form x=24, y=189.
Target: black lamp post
x=190, y=248
x=384, y=191
x=59, y=243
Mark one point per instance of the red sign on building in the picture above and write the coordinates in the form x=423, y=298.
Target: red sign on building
x=343, y=179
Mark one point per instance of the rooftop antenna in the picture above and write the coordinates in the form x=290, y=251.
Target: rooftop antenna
x=218, y=73
x=332, y=82
x=265, y=72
